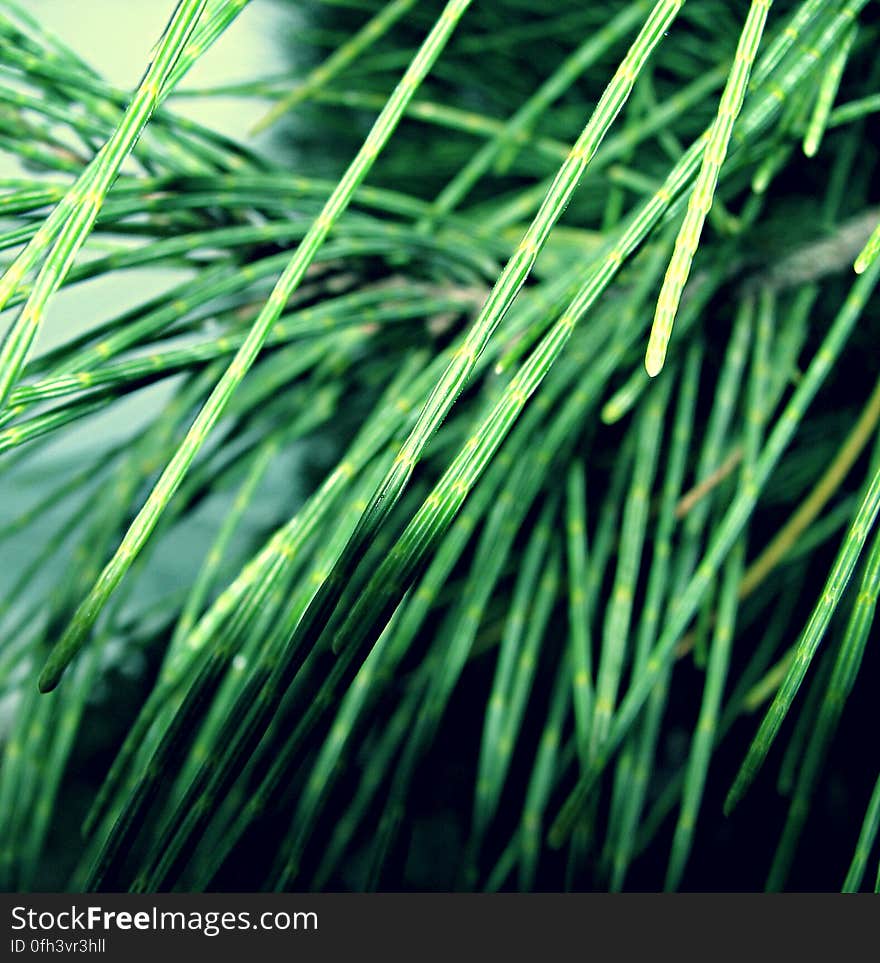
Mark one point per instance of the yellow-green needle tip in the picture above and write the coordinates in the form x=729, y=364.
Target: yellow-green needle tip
x=868, y=253
x=655, y=356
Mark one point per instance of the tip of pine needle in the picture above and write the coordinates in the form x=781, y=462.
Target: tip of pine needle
x=278, y=110
x=737, y=790
x=572, y=810
x=658, y=339
x=268, y=119
x=265, y=121
x=49, y=679
x=653, y=363
x=609, y=413
x=55, y=666
x=730, y=802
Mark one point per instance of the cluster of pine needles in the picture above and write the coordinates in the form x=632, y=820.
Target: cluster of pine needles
x=528, y=388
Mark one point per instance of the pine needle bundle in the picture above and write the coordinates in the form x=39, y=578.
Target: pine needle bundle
x=490, y=502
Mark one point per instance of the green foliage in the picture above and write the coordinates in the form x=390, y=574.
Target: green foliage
x=465, y=591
